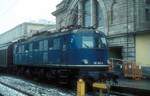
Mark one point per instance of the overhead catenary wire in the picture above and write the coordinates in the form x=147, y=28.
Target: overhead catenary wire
x=72, y=14
x=70, y=11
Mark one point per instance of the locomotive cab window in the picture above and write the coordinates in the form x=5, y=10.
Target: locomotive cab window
x=98, y=43
x=87, y=42
x=93, y=41
x=104, y=41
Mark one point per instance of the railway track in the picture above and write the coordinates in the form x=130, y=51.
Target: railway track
x=30, y=88
x=16, y=89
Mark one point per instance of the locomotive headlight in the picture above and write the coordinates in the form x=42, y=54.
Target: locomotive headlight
x=98, y=62
x=95, y=62
x=108, y=61
x=97, y=31
x=85, y=61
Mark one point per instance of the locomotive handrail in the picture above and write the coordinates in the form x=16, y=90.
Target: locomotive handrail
x=120, y=60
x=129, y=68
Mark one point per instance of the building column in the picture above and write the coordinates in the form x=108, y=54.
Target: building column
x=80, y=12
x=93, y=12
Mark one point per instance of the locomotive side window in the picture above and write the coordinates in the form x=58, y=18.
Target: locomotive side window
x=35, y=46
x=26, y=48
x=50, y=44
x=45, y=45
x=30, y=47
x=15, y=49
x=19, y=47
x=56, y=43
x=41, y=45
x=87, y=42
x=22, y=49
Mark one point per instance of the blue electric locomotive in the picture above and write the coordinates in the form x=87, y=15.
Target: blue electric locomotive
x=80, y=49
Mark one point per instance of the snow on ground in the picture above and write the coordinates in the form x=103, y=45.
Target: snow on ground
x=6, y=91
x=36, y=90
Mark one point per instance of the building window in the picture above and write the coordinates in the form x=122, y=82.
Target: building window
x=99, y=15
x=87, y=13
x=147, y=14
x=147, y=2
x=113, y=15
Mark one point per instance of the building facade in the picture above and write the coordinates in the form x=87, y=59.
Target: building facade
x=21, y=31
x=123, y=21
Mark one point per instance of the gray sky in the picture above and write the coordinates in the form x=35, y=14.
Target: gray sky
x=14, y=12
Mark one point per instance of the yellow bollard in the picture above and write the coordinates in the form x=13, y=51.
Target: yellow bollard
x=101, y=87
x=80, y=88
x=101, y=92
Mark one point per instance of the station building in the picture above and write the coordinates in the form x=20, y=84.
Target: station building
x=126, y=24
x=23, y=31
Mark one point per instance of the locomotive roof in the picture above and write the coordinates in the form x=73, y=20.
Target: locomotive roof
x=48, y=34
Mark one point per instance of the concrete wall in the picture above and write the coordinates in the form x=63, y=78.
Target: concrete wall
x=120, y=16
x=143, y=50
